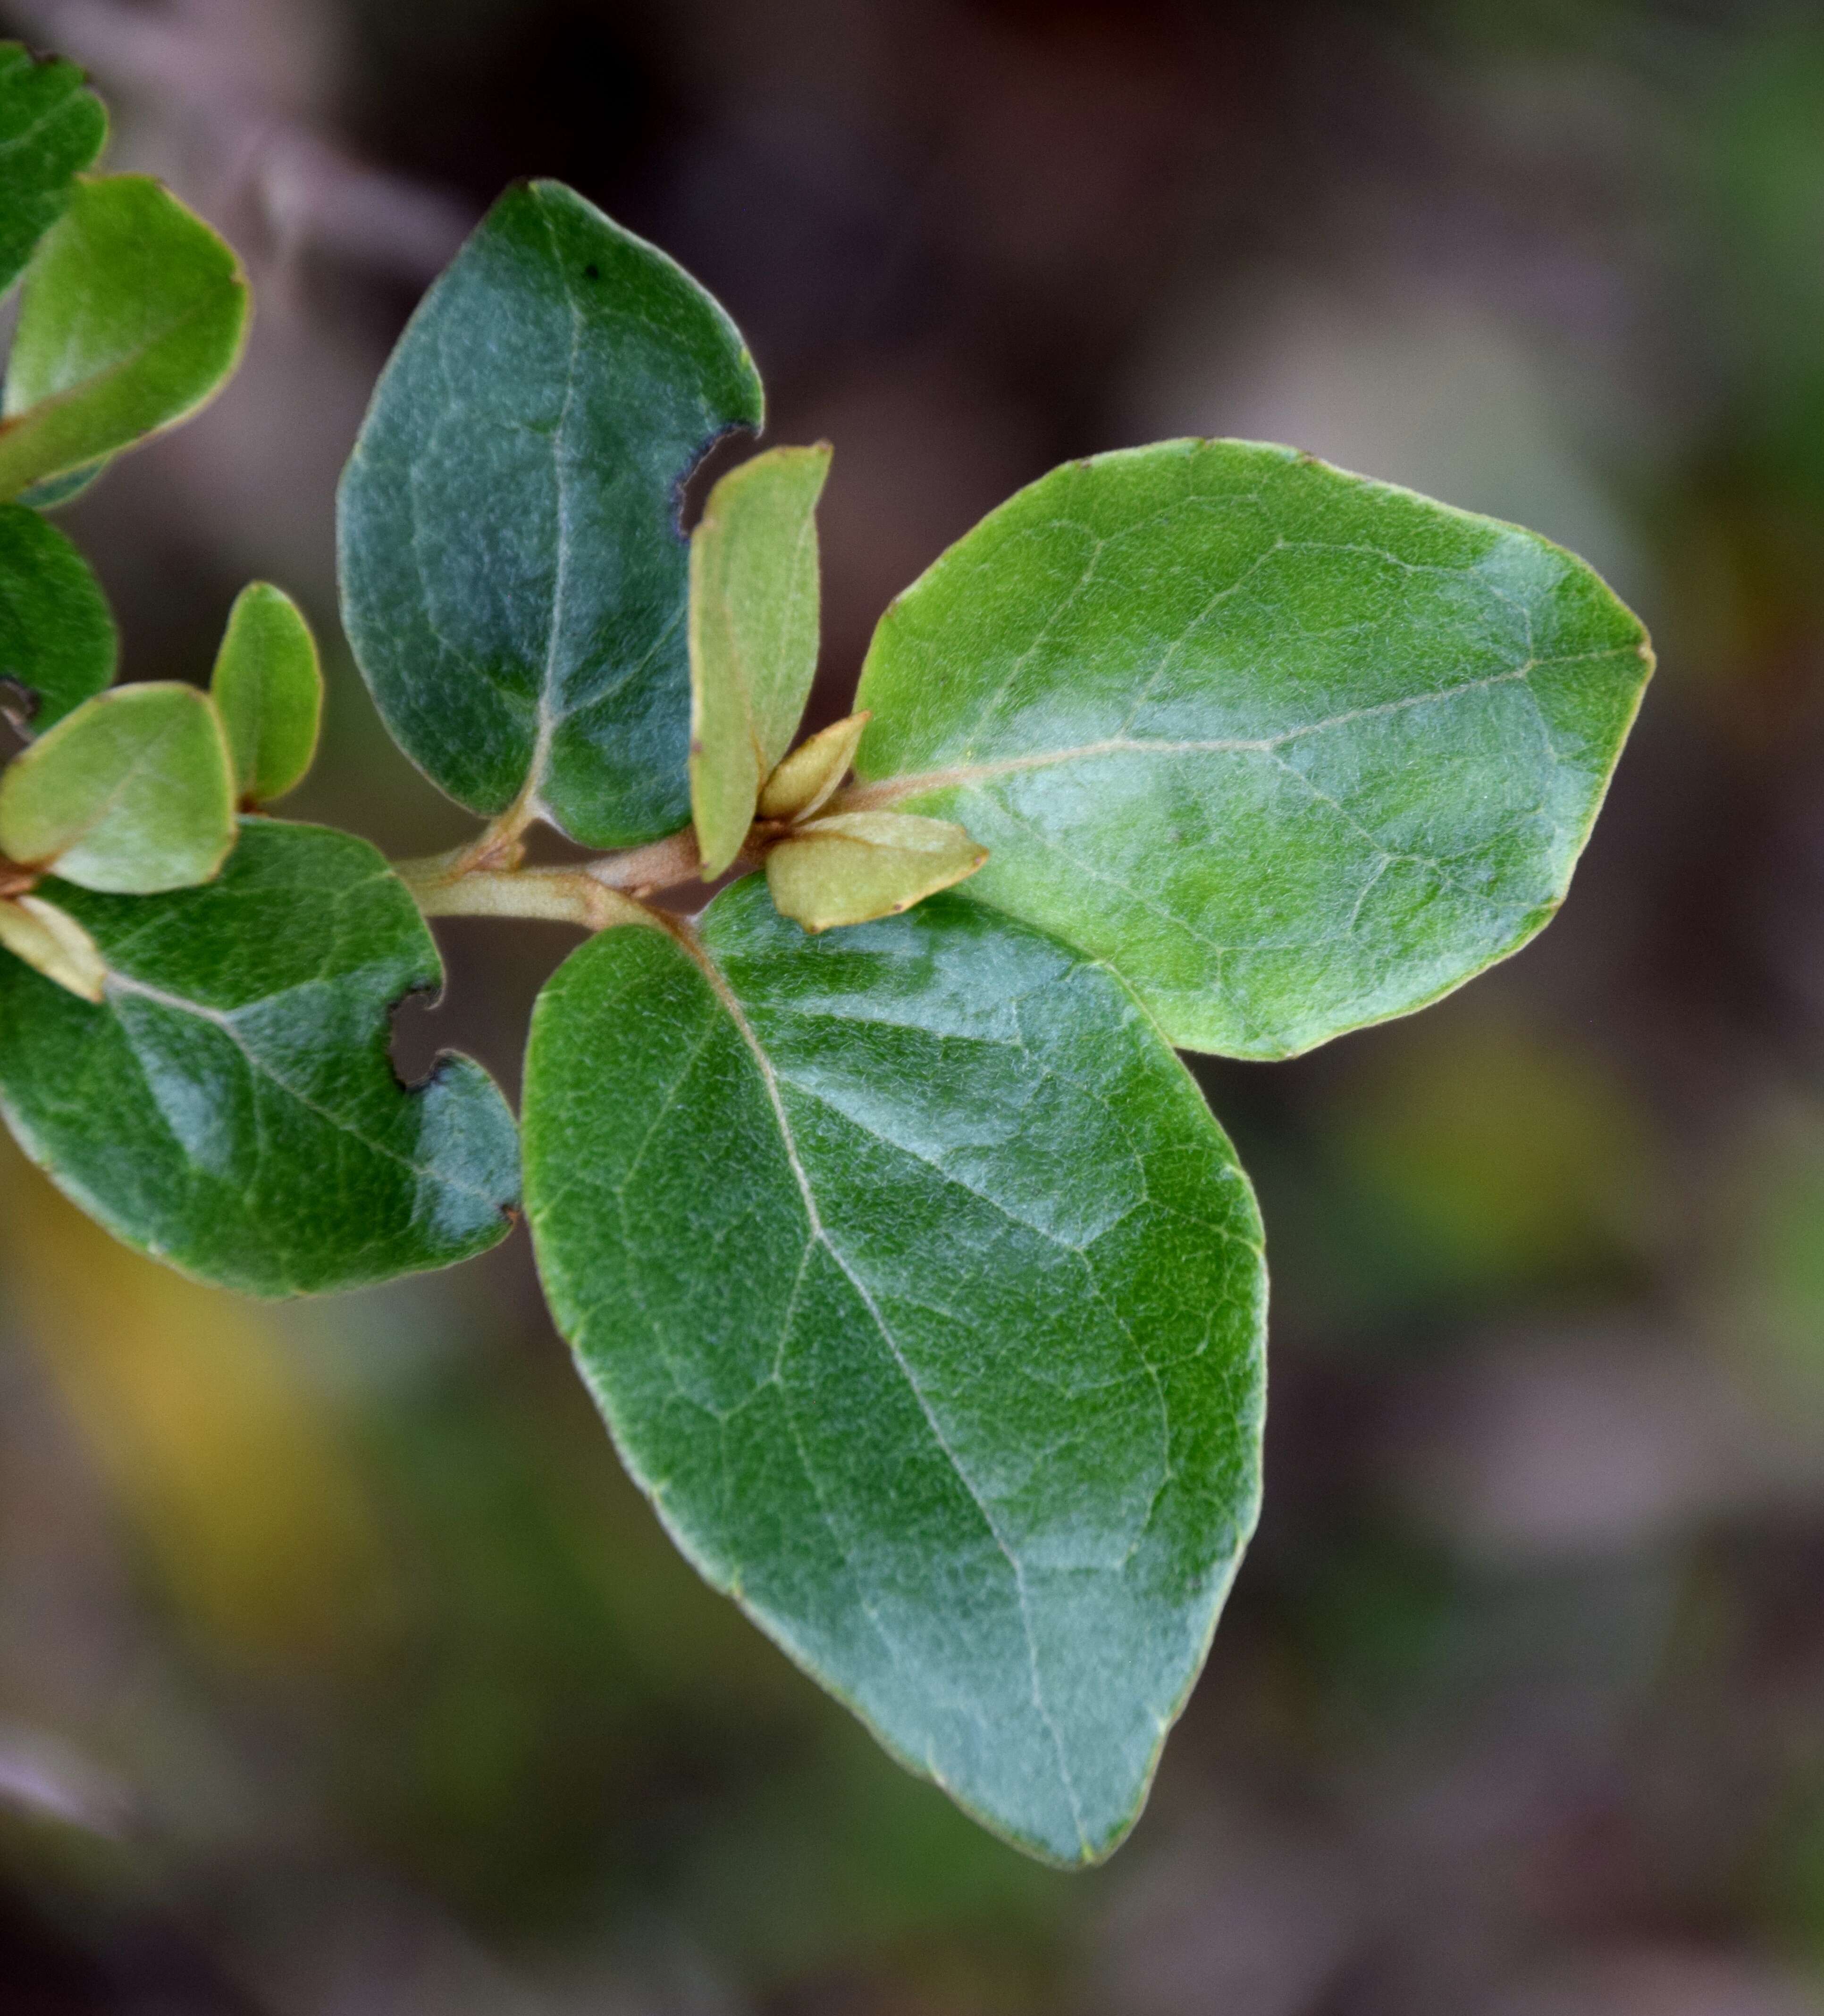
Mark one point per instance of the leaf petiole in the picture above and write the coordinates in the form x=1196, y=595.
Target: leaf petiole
x=556, y=895
x=484, y=880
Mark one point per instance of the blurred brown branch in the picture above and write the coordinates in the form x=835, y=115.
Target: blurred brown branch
x=225, y=92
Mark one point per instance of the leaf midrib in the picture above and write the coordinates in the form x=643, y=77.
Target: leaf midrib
x=725, y=994
x=110, y=799
x=21, y=425
x=550, y=719
x=55, y=111
x=890, y=790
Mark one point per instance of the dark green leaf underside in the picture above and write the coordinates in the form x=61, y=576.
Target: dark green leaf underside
x=1293, y=750
x=52, y=127
x=514, y=582
x=231, y=1107
x=55, y=491
x=925, y=1296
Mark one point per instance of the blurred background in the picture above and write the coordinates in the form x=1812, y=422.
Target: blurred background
x=341, y=1672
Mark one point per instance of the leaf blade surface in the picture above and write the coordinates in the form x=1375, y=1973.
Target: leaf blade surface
x=853, y=867
x=230, y=1107
x=754, y=626
x=53, y=944
x=925, y=1296
x=52, y=127
x=812, y=772
x=133, y=316
x=57, y=634
x=131, y=792
x=1294, y=750
x=514, y=582
x=270, y=687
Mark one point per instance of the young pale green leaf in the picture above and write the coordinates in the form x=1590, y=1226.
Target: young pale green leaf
x=754, y=587
x=132, y=316
x=52, y=128
x=52, y=942
x=855, y=866
x=132, y=793
x=514, y=582
x=1293, y=750
x=230, y=1107
x=810, y=775
x=270, y=689
x=925, y=1298
x=57, y=638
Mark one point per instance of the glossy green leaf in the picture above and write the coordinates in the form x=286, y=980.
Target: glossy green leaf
x=57, y=638
x=52, y=942
x=270, y=689
x=132, y=316
x=855, y=866
x=132, y=793
x=1294, y=750
x=754, y=587
x=52, y=127
x=925, y=1298
x=812, y=772
x=231, y=1106
x=514, y=582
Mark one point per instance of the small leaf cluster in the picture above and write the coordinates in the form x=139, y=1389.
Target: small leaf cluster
x=916, y=1284
x=194, y=1016
x=132, y=314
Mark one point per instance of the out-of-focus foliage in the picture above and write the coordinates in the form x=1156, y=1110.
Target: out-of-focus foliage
x=1520, y=1703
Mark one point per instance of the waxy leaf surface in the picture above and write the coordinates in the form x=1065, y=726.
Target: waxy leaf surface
x=131, y=793
x=754, y=585
x=925, y=1296
x=132, y=316
x=57, y=638
x=1293, y=750
x=51, y=128
x=270, y=689
x=514, y=582
x=230, y=1107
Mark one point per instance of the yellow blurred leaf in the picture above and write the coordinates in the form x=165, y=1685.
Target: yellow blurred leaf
x=233, y=1471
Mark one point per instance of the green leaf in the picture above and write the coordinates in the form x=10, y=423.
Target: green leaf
x=269, y=688
x=754, y=585
x=1293, y=750
x=55, y=491
x=925, y=1298
x=57, y=638
x=51, y=129
x=52, y=943
x=132, y=316
x=514, y=583
x=855, y=866
x=811, y=773
x=132, y=792
x=231, y=1106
